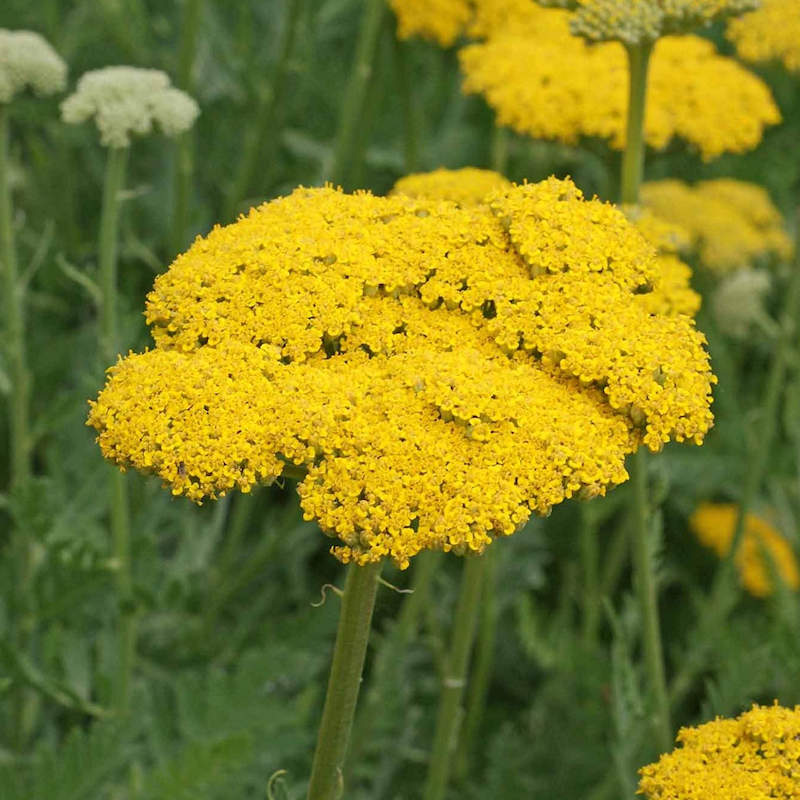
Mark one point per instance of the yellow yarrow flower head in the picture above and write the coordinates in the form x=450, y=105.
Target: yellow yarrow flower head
x=127, y=100
x=544, y=82
x=772, y=32
x=732, y=223
x=27, y=61
x=468, y=186
x=671, y=293
x=439, y=372
x=714, y=524
x=755, y=756
x=635, y=22
x=738, y=302
x=442, y=21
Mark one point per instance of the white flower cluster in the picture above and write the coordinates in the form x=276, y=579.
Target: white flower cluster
x=738, y=302
x=129, y=100
x=634, y=22
x=28, y=61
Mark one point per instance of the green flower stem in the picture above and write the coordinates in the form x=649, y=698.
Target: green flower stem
x=411, y=125
x=633, y=156
x=387, y=673
x=352, y=109
x=23, y=620
x=109, y=349
x=358, y=601
x=455, y=676
x=184, y=152
x=109, y=223
x=499, y=149
x=644, y=579
x=590, y=563
x=722, y=596
x=631, y=180
x=258, y=157
x=484, y=660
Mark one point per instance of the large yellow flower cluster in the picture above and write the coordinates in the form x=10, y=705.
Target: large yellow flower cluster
x=544, y=82
x=732, y=223
x=755, y=756
x=714, y=523
x=467, y=186
x=771, y=32
x=439, y=372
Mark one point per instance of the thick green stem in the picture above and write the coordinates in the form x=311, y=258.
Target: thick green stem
x=109, y=223
x=499, y=149
x=633, y=156
x=484, y=660
x=258, y=157
x=631, y=180
x=411, y=126
x=118, y=494
x=358, y=601
x=23, y=619
x=644, y=577
x=722, y=595
x=184, y=151
x=590, y=563
x=455, y=678
x=352, y=108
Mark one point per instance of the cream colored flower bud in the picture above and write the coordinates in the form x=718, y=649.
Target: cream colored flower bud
x=127, y=100
x=27, y=61
x=738, y=302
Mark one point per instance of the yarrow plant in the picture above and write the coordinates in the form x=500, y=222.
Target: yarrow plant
x=27, y=62
x=544, y=81
x=437, y=373
x=468, y=186
x=714, y=524
x=756, y=755
x=732, y=224
x=123, y=102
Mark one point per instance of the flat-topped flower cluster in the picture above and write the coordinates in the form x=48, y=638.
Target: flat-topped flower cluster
x=440, y=372
x=755, y=756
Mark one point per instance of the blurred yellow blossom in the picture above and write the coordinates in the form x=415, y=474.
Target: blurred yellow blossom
x=443, y=21
x=544, y=82
x=732, y=223
x=755, y=756
x=772, y=32
x=714, y=524
x=467, y=186
x=439, y=372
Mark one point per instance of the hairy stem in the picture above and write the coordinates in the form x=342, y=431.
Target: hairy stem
x=355, y=618
x=631, y=180
x=352, y=108
x=184, y=152
x=20, y=472
x=118, y=486
x=455, y=678
x=258, y=157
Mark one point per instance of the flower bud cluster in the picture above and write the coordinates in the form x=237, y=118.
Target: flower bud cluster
x=27, y=61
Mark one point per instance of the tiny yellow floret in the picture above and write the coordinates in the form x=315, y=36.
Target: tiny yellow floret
x=753, y=757
x=714, y=523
